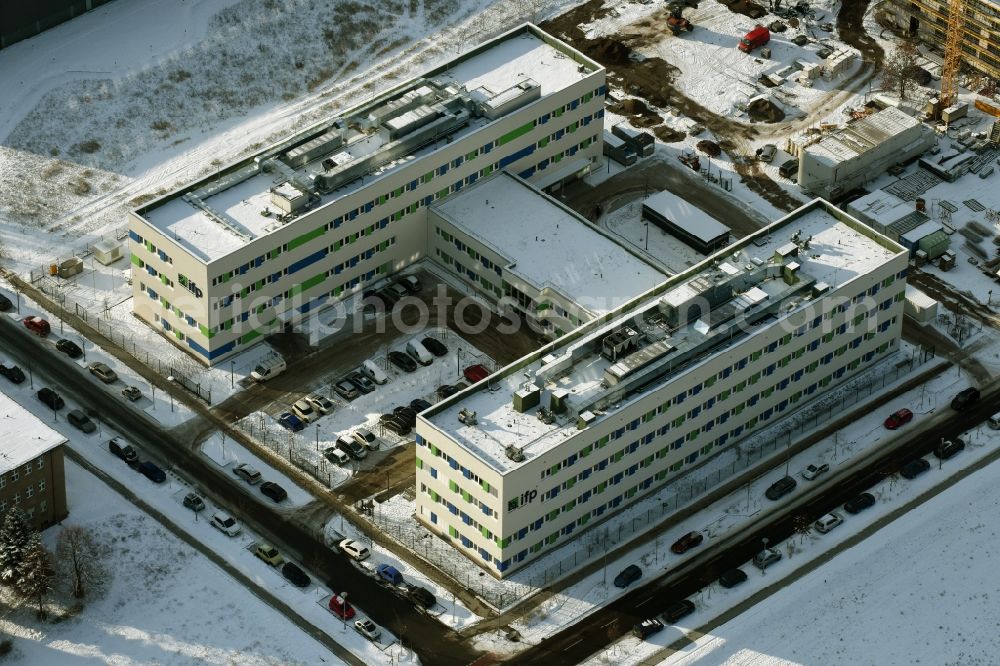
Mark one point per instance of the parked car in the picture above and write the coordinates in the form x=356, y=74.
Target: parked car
x=346, y=389
x=50, y=398
x=225, y=523
x=948, y=448
x=410, y=283
x=354, y=549
x=368, y=629
x=294, y=575
x=789, y=169
x=12, y=372
x=859, y=503
x=407, y=415
x=122, y=449
x=291, y=422
x=767, y=152
x=993, y=422
x=273, y=491
x=365, y=438
x=418, y=405
x=389, y=574
x=402, y=361
x=812, y=471
x=103, y=372
x=446, y=391
x=420, y=595
x=269, y=554
x=780, y=488
x=336, y=456
x=827, y=522
x=247, y=473
x=393, y=424
x=341, y=608
x=81, y=421
x=678, y=610
x=152, y=472
x=434, y=346
x=914, y=468
x=131, y=393
x=476, y=373
x=69, y=348
x=304, y=410
x=398, y=291
x=646, y=628
x=364, y=384
x=687, y=542
x=320, y=403
x=732, y=578
x=373, y=372
x=628, y=575
x=37, y=325
x=898, y=418
x=194, y=502
x=5, y=303
x=766, y=558
x=965, y=398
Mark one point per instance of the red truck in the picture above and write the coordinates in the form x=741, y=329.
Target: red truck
x=756, y=37
x=38, y=326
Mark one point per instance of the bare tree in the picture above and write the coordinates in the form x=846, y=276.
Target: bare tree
x=802, y=525
x=37, y=572
x=899, y=67
x=79, y=556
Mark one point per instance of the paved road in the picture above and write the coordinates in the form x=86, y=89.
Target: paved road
x=433, y=642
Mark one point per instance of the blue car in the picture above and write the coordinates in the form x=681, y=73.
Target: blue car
x=389, y=574
x=291, y=421
x=152, y=472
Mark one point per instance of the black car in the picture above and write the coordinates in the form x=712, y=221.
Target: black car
x=780, y=488
x=50, y=398
x=388, y=296
x=647, y=628
x=732, y=578
x=346, y=389
x=914, y=468
x=948, y=448
x=273, y=490
x=69, y=348
x=12, y=372
x=677, y=610
x=364, y=384
x=628, y=575
x=419, y=405
x=152, y=472
x=434, y=346
x=81, y=421
x=446, y=391
x=5, y=303
x=420, y=595
x=295, y=575
x=402, y=361
x=859, y=503
x=122, y=449
x=407, y=415
x=394, y=424
x=965, y=398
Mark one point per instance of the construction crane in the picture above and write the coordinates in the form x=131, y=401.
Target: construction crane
x=952, y=53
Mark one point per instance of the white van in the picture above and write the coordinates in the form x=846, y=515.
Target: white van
x=270, y=366
x=373, y=372
x=416, y=349
x=994, y=421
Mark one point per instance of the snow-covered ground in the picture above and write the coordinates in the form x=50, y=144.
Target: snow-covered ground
x=164, y=602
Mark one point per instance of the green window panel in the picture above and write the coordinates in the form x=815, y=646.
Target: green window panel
x=484, y=485
x=443, y=193
x=382, y=199
x=204, y=331
x=163, y=279
x=249, y=336
x=308, y=284
x=710, y=381
x=586, y=450
x=584, y=518
x=427, y=177
x=550, y=539
x=513, y=134
x=485, y=532
x=182, y=279
x=274, y=253
x=543, y=142
x=466, y=496
x=677, y=465
x=178, y=335
x=150, y=247
x=228, y=325
x=557, y=158
x=435, y=496
x=339, y=244
x=420, y=463
x=452, y=532
x=138, y=262
x=488, y=170
x=537, y=547
x=398, y=192
x=553, y=515
x=305, y=238
x=570, y=483
x=399, y=214
x=453, y=486
x=165, y=303
x=631, y=491
x=472, y=155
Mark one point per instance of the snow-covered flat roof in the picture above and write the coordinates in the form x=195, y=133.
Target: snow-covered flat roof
x=684, y=214
x=863, y=135
x=839, y=249
x=549, y=245
x=23, y=436
x=919, y=298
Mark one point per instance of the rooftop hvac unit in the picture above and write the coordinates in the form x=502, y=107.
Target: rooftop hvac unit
x=526, y=398
x=557, y=400
x=466, y=416
x=515, y=453
x=585, y=419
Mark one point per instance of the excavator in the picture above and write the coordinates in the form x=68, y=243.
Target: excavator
x=675, y=21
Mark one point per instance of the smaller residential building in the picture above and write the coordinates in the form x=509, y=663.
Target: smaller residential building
x=686, y=222
x=861, y=151
x=919, y=306
x=31, y=466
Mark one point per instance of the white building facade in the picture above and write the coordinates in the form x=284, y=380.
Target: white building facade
x=591, y=423
x=254, y=248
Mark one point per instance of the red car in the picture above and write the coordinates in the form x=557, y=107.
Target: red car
x=897, y=419
x=37, y=325
x=476, y=373
x=341, y=608
x=687, y=542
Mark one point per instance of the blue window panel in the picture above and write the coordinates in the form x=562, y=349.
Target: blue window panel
x=524, y=152
x=523, y=532
x=134, y=236
x=162, y=255
x=434, y=473
x=618, y=477
x=575, y=103
x=337, y=221
x=453, y=463
x=465, y=541
x=276, y=300
x=487, y=148
x=370, y=275
x=559, y=134
x=369, y=254
x=599, y=114
x=369, y=206
x=414, y=183
x=258, y=261
x=275, y=277
x=465, y=518
x=434, y=517
x=419, y=440
x=503, y=566
x=189, y=319
x=485, y=509
x=602, y=91
x=572, y=150
x=473, y=177
x=353, y=214
x=527, y=173
x=166, y=325
x=224, y=349
x=152, y=294
x=466, y=473
x=428, y=200
x=338, y=268
x=554, y=492
x=543, y=164
x=544, y=119
x=244, y=316
x=458, y=185
x=453, y=509
x=485, y=555
x=521, y=555
x=632, y=470
x=538, y=524
x=319, y=300
x=647, y=439
x=311, y=259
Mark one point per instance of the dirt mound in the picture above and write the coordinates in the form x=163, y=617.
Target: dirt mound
x=764, y=110
x=632, y=107
x=710, y=148
x=668, y=134
x=745, y=7
x=608, y=51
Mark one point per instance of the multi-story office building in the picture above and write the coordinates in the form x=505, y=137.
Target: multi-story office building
x=31, y=466
x=515, y=245
x=980, y=43
x=563, y=438
x=253, y=248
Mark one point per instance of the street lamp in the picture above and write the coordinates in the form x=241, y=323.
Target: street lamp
x=171, y=379
x=232, y=373
x=647, y=235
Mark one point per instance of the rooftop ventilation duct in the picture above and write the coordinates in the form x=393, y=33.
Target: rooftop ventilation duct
x=527, y=398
